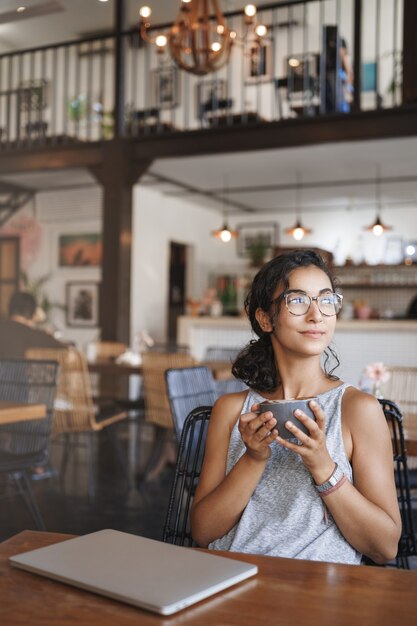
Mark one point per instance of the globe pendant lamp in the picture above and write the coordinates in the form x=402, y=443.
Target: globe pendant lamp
x=298, y=231
x=225, y=233
x=378, y=227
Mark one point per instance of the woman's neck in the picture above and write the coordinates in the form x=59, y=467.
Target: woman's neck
x=301, y=378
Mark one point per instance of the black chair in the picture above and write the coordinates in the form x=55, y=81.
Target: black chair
x=25, y=444
x=407, y=545
x=177, y=528
x=188, y=387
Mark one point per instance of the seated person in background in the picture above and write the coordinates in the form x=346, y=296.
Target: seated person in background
x=18, y=332
x=328, y=497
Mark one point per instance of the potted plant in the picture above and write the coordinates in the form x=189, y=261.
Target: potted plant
x=257, y=250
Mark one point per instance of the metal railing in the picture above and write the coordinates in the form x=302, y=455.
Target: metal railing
x=320, y=57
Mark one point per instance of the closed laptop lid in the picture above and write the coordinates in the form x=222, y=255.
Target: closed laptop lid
x=150, y=574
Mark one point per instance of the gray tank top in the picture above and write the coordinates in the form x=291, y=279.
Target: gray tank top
x=286, y=516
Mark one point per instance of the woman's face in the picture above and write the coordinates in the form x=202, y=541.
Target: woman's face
x=311, y=332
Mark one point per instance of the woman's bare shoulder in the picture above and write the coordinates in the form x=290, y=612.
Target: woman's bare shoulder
x=361, y=409
x=228, y=408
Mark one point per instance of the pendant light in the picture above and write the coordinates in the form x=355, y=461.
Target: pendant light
x=298, y=231
x=225, y=233
x=378, y=227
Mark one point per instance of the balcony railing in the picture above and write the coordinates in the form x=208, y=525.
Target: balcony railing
x=320, y=58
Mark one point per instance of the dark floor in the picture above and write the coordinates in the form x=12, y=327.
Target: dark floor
x=66, y=506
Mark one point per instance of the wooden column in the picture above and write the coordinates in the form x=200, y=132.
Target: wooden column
x=117, y=175
x=410, y=52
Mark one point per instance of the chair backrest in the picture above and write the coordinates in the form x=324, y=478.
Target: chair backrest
x=229, y=385
x=187, y=388
x=74, y=409
x=177, y=529
x=219, y=353
x=402, y=388
x=154, y=365
x=28, y=382
x=169, y=346
x=407, y=545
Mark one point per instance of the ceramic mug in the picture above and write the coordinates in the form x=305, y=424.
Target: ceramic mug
x=283, y=410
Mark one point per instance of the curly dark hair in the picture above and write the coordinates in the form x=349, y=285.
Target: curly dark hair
x=255, y=364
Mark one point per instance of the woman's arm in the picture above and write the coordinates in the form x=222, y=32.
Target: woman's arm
x=366, y=513
x=219, y=499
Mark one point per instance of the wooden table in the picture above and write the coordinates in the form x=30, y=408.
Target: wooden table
x=11, y=412
x=221, y=370
x=286, y=592
x=111, y=368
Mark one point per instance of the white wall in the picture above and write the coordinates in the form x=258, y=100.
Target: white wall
x=157, y=220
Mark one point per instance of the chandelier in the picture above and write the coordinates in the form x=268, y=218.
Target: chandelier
x=199, y=41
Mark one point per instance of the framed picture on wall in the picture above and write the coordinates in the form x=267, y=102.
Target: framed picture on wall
x=256, y=238
x=165, y=87
x=82, y=304
x=258, y=63
x=80, y=250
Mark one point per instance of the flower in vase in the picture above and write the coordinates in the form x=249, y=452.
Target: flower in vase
x=378, y=372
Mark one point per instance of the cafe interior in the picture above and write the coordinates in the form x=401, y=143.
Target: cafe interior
x=152, y=160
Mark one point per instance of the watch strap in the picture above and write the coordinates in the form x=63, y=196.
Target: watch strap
x=335, y=478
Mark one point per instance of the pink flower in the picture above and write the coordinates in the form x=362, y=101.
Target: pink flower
x=377, y=371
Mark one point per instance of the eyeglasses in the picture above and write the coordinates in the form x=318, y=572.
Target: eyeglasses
x=299, y=302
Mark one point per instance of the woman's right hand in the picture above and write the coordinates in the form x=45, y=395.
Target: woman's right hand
x=258, y=432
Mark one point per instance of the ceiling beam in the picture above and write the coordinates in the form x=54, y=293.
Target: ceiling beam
x=325, y=184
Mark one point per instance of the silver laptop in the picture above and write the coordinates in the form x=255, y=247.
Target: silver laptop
x=150, y=574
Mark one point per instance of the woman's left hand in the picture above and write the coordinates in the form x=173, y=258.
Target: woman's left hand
x=313, y=450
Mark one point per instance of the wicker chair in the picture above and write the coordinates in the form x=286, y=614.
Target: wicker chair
x=401, y=388
x=157, y=407
x=26, y=444
x=75, y=415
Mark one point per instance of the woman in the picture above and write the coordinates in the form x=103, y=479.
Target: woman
x=329, y=495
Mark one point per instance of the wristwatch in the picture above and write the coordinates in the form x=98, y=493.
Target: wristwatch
x=333, y=480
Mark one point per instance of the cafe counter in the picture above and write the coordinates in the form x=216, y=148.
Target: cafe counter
x=357, y=342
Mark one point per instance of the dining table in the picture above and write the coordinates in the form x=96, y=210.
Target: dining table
x=12, y=412
x=285, y=592
x=221, y=370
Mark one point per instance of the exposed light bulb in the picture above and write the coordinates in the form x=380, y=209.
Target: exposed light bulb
x=298, y=233
x=250, y=10
x=261, y=30
x=216, y=46
x=410, y=250
x=161, y=41
x=145, y=12
x=377, y=229
x=225, y=235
